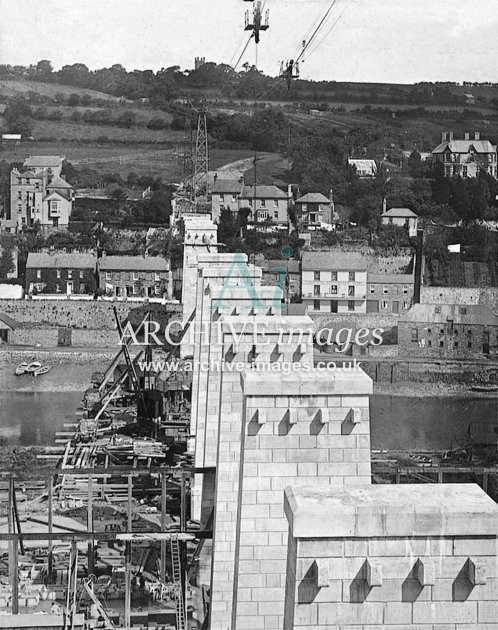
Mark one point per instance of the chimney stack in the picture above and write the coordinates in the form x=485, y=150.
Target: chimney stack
x=418, y=266
x=477, y=135
x=451, y=136
x=444, y=136
x=467, y=135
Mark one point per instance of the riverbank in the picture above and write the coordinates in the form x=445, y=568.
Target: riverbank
x=410, y=389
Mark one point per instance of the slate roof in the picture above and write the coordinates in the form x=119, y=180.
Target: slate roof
x=313, y=198
x=133, y=263
x=60, y=260
x=460, y=314
x=8, y=321
x=263, y=192
x=43, y=161
x=334, y=261
x=463, y=146
x=59, y=193
x=228, y=186
x=58, y=182
x=399, y=212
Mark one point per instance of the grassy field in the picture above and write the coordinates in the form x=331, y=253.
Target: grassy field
x=13, y=87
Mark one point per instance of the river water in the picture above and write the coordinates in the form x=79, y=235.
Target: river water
x=31, y=410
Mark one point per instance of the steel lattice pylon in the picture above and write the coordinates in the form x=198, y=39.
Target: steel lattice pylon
x=201, y=159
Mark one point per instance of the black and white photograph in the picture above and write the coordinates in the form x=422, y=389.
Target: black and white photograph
x=248, y=315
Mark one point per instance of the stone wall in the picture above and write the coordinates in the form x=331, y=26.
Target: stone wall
x=457, y=295
x=84, y=314
x=413, y=557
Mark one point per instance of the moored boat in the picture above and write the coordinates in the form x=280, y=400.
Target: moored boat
x=485, y=388
x=42, y=370
x=21, y=368
x=34, y=365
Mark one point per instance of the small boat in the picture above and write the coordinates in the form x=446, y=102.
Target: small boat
x=42, y=370
x=21, y=368
x=34, y=365
x=485, y=388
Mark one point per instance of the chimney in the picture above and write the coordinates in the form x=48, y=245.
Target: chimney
x=477, y=135
x=418, y=266
x=467, y=135
x=289, y=191
x=444, y=136
x=451, y=136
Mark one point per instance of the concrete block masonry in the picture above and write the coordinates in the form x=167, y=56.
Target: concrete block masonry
x=420, y=573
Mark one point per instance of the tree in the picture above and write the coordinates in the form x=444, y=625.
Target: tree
x=73, y=100
x=18, y=116
x=367, y=212
x=44, y=69
x=415, y=164
x=6, y=256
x=127, y=119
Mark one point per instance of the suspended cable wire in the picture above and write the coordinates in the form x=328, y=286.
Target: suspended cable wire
x=313, y=50
x=310, y=41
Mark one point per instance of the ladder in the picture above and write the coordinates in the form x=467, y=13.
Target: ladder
x=181, y=620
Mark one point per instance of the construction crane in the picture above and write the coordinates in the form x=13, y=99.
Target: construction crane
x=289, y=70
x=259, y=22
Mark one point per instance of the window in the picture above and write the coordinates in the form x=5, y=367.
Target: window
x=57, y=288
x=429, y=343
x=275, y=203
x=135, y=275
x=406, y=305
x=275, y=214
x=372, y=288
x=469, y=333
x=19, y=194
x=441, y=331
x=108, y=275
x=333, y=289
x=38, y=274
x=157, y=289
x=441, y=344
x=222, y=198
x=333, y=275
x=82, y=287
x=262, y=215
x=456, y=333
x=405, y=290
x=437, y=310
x=316, y=305
x=469, y=345
x=351, y=276
x=429, y=330
x=23, y=220
x=58, y=273
x=351, y=291
x=414, y=334
x=19, y=207
x=81, y=274
x=384, y=304
x=455, y=345
x=234, y=198
x=37, y=185
x=316, y=289
x=157, y=277
x=385, y=290
x=263, y=203
x=396, y=289
x=463, y=310
x=316, y=275
x=54, y=206
x=350, y=305
x=69, y=274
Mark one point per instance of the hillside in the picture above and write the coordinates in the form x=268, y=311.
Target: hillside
x=15, y=87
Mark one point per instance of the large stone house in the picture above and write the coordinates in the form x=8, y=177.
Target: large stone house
x=38, y=193
x=448, y=331
x=313, y=209
x=467, y=157
x=265, y=203
x=334, y=282
x=60, y=272
x=402, y=217
x=225, y=196
x=135, y=276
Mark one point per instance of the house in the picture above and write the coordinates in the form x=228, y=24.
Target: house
x=283, y=273
x=7, y=325
x=364, y=168
x=402, y=217
x=135, y=276
x=225, y=196
x=389, y=292
x=448, y=331
x=40, y=194
x=313, y=209
x=265, y=203
x=11, y=139
x=60, y=272
x=8, y=226
x=334, y=282
x=469, y=99
x=465, y=158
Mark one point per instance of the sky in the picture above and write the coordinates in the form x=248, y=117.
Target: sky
x=395, y=41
